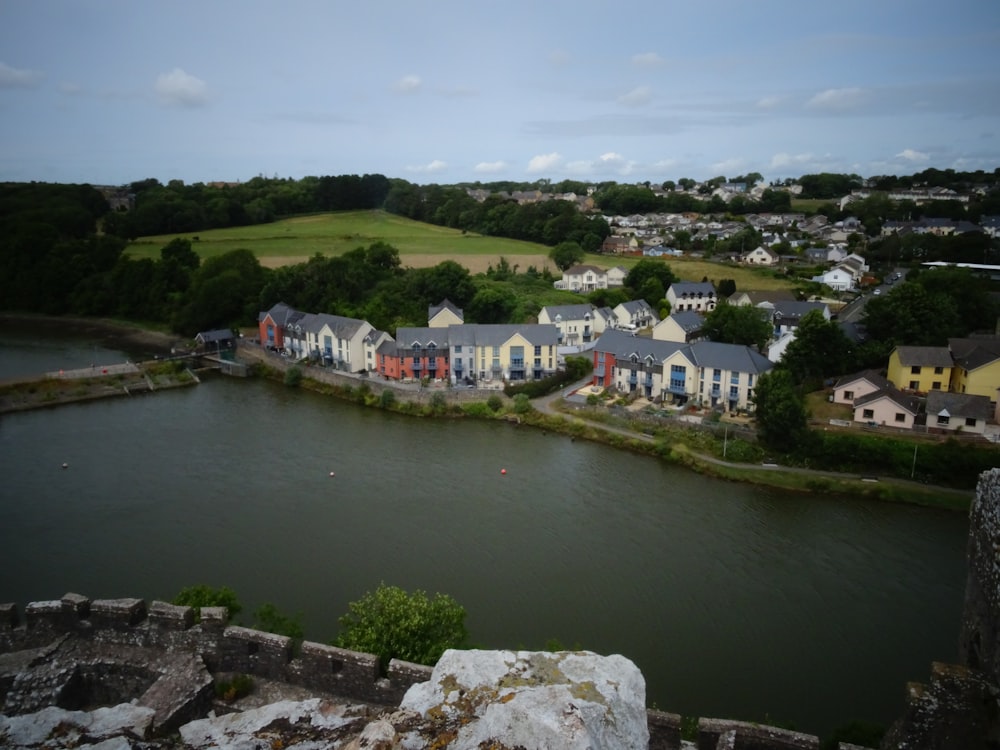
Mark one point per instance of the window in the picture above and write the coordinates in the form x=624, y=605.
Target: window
x=538, y=352
x=868, y=414
x=914, y=385
x=970, y=421
x=848, y=395
x=943, y=420
x=496, y=351
x=938, y=370
x=734, y=378
x=936, y=385
x=716, y=375
x=900, y=417
x=458, y=348
x=915, y=370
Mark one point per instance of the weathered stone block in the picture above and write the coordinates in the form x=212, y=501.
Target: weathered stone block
x=664, y=730
x=214, y=618
x=117, y=613
x=170, y=616
x=254, y=652
x=75, y=607
x=748, y=736
x=9, y=618
x=44, y=615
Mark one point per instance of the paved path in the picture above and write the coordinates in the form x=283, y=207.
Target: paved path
x=96, y=371
x=546, y=406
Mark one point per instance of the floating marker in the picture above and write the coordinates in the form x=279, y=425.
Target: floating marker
x=65, y=466
x=503, y=471
x=332, y=474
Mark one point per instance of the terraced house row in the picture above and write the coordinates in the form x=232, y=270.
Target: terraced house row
x=446, y=350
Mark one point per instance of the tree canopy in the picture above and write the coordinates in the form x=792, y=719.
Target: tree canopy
x=394, y=624
x=738, y=324
x=820, y=349
x=779, y=410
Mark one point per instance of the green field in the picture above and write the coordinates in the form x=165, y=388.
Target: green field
x=297, y=239
x=420, y=245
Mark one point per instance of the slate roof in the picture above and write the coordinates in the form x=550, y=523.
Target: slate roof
x=708, y=354
x=975, y=352
x=210, y=337
x=870, y=375
x=342, y=328
x=925, y=356
x=582, y=268
x=634, y=306
x=497, y=334
x=902, y=400
x=446, y=304
x=692, y=288
x=570, y=312
x=689, y=321
x=959, y=405
x=281, y=314
x=424, y=336
x=787, y=310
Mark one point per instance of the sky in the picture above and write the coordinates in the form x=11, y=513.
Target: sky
x=446, y=91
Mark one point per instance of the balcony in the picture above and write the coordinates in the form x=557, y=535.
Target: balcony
x=416, y=366
x=517, y=364
x=632, y=379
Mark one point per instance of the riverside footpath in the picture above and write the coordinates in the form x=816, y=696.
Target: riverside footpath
x=565, y=404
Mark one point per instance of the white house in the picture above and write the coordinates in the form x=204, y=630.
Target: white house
x=577, y=324
x=683, y=327
x=699, y=296
x=762, y=256
x=586, y=278
x=635, y=314
x=333, y=340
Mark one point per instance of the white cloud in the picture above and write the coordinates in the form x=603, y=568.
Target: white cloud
x=611, y=163
x=647, y=59
x=407, y=84
x=181, y=89
x=435, y=166
x=728, y=167
x=636, y=97
x=544, y=162
x=838, y=99
x=491, y=167
x=18, y=78
x=910, y=155
x=769, y=102
x=783, y=160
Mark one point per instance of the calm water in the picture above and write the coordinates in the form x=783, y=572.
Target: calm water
x=734, y=601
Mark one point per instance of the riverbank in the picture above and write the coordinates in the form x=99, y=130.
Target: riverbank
x=112, y=334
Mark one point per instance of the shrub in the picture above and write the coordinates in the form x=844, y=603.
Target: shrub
x=393, y=624
x=268, y=618
x=522, y=404
x=230, y=690
x=205, y=596
x=293, y=376
x=494, y=402
x=438, y=404
x=387, y=399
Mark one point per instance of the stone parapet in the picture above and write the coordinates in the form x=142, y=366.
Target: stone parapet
x=744, y=735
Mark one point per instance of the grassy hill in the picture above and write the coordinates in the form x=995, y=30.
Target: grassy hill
x=420, y=245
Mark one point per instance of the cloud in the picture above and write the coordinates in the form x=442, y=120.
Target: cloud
x=18, y=78
x=636, y=97
x=407, y=84
x=181, y=89
x=910, y=155
x=728, y=166
x=783, y=160
x=647, y=59
x=769, y=102
x=491, y=167
x=544, y=162
x=838, y=99
x=610, y=163
x=435, y=166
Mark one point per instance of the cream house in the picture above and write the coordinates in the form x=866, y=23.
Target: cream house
x=762, y=256
x=699, y=296
x=586, y=278
x=887, y=407
x=957, y=412
x=851, y=387
x=577, y=324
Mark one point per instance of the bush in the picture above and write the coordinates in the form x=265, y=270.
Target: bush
x=268, y=618
x=293, y=376
x=494, y=402
x=387, y=399
x=393, y=624
x=230, y=690
x=438, y=404
x=522, y=404
x=205, y=596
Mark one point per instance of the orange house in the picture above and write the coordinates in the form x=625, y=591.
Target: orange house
x=272, y=323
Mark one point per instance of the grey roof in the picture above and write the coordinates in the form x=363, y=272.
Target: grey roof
x=281, y=314
x=870, y=375
x=570, y=312
x=903, y=400
x=771, y=297
x=795, y=309
x=342, y=328
x=959, y=404
x=710, y=354
x=925, y=356
x=423, y=336
x=446, y=304
x=636, y=305
x=488, y=334
x=692, y=287
x=220, y=334
x=688, y=320
x=974, y=352
x=582, y=268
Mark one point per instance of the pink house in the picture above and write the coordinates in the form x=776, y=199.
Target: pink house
x=851, y=387
x=888, y=407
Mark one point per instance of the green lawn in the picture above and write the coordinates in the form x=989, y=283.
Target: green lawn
x=297, y=239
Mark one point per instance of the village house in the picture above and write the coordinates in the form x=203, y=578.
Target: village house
x=489, y=354
x=851, y=387
x=976, y=368
x=330, y=340
x=587, y=278
x=957, y=412
x=761, y=256
x=887, y=407
x=577, y=324
x=634, y=315
x=920, y=369
x=683, y=327
x=706, y=373
x=444, y=314
x=699, y=296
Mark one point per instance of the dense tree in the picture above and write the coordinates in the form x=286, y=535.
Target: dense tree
x=819, y=350
x=225, y=292
x=393, y=624
x=646, y=269
x=738, y=324
x=491, y=304
x=780, y=411
x=910, y=315
x=971, y=293
x=566, y=254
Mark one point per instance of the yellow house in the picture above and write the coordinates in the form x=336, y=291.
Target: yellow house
x=444, y=315
x=977, y=366
x=920, y=368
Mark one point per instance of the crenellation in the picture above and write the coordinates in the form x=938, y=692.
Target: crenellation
x=749, y=736
x=75, y=607
x=45, y=615
x=403, y=674
x=254, y=652
x=170, y=616
x=664, y=730
x=117, y=613
x=9, y=617
x=336, y=671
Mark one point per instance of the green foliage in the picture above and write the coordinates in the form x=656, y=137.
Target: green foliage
x=203, y=595
x=642, y=273
x=578, y=367
x=780, y=411
x=494, y=402
x=911, y=315
x=393, y=624
x=268, y=618
x=438, y=404
x=387, y=399
x=239, y=686
x=566, y=254
x=738, y=324
x=819, y=350
x=293, y=376
x=492, y=304
x=522, y=404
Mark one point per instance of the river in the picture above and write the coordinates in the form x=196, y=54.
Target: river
x=735, y=601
